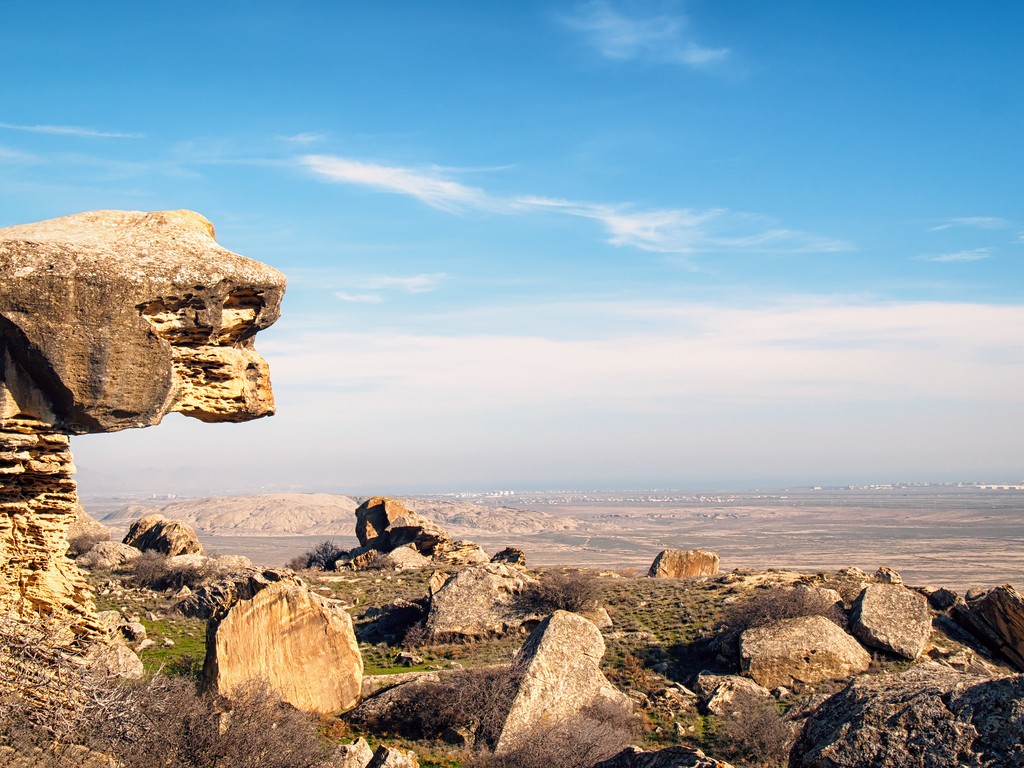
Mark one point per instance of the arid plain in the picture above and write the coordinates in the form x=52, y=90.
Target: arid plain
x=959, y=536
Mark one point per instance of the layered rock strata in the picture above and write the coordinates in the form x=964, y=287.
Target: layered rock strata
x=110, y=320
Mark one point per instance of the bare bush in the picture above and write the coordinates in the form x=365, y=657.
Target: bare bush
x=752, y=729
x=154, y=570
x=566, y=591
x=80, y=543
x=322, y=557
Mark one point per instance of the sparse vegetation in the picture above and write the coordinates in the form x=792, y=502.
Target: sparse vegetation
x=81, y=542
x=753, y=731
x=566, y=591
x=322, y=557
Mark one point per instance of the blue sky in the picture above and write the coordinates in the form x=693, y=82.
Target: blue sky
x=566, y=244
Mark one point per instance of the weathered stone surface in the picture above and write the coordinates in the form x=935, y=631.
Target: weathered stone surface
x=212, y=601
x=303, y=646
x=807, y=649
x=86, y=528
x=669, y=757
x=169, y=537
x=108, y=556
x=720, y=693
x=510, y=556
x=942, y=599
x=116, y=660
x=480, y=601
x=893, y=619
x=407, y=557
x=997, y=619
x=385, y=524
x=110, y=320
x=682, y=564
x=392, y=757
x=886, y=575
x=558, y=675
x=927, y=717
x=460, y=554
x=355, y=755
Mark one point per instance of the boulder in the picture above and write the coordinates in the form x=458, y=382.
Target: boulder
x=997, y=619
x=268, y=636
x=886, y=575
x=927, y=717
x=392, y=757
x=721, y=694
x=893, y=619
x=108, y=556
x=510, y=556
x=355, y=755
x=807, y=649
x=169, y=537
x=406, y=557
x=942, y=599
x=85, y=531
x=557, y=676
x=668, y=757
x=481, y=601
x=110, y=320
x=212, y=601
x=385, y=524
x=682, y=564
x=116, y=660
x=460, y=554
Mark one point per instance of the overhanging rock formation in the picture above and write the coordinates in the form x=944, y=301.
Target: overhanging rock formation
x=110, y=320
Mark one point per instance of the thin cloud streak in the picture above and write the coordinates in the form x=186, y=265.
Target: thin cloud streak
x=973, y=254
x=680, y=231
x=662, y=39
x=975, y=222
x=72, y=130
x=423, y=283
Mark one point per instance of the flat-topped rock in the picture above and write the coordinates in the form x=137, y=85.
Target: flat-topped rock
x=892, y=618
x=683, y=564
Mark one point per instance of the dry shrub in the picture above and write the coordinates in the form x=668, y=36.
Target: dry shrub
x=155, y=570
x=753, y=730
x=566, y=591
x=321, y=557
x=80, y=543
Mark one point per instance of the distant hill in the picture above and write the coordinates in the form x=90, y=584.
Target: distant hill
x=327, y=514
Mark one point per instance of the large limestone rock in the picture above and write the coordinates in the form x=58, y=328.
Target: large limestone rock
x=169, y=537
x=997, y=619
x=890, y=617
x=682, y=564
x=385, y=524
x=927, y=717
x=110, y=320
x=669, y=757
x=303, y=646
x=482, y=601
x=558, y=676
x=807, y=649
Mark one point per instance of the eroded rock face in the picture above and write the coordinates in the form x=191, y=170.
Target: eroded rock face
x=558, y=676
x=481, y=601
x=890, y=617
x=683, y=564
x=169, y=537
x=385, y=524
x=927, y=717
x=303, y=646
x=997, y=619
x=807, y=649
x=110, y=320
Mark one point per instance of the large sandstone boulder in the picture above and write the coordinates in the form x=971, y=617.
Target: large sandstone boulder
x=682, y=564
x=669, y=757
x=807, y=649
x=890, y=617
x=557, y=676
x=111, y=320
x=169, y=537
x=301, y=644
x=212, y=601
x=481, y=601
x=997, y=619
x=927, y=717
x=385, y=524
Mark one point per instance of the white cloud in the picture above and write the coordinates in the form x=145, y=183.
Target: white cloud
x=359, y=298
x=663, y=38
x=972, y=254
x=975, y=222
x=72, y=130
x=431, y=188
x=422, y=283
x=303, y=138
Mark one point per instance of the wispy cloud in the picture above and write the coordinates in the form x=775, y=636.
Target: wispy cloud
x=662, y=38
x=423, y=283
x=682, y=231
x=973, y=254
x=72, y=130
x=303, y=138
x=359, y=298
x=974, y=222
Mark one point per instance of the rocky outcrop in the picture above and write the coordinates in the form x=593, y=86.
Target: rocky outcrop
x=997, y=619
x=683, y=564
x=303, y=646
x=212, y=601
x=481, y=601
x=557, y=676
x=807, y=650
x=392, y=757
x=721, y=694
x=110, y=320
x=891, y=618
x=669, y=757
x=168, y=537
x=355, y=755
x=108, y=556
x=510, y=556
x=927, y=717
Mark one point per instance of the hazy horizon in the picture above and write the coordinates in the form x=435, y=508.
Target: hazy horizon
x=637, y=243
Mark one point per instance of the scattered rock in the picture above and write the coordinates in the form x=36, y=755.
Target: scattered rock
x=557, y=675
x=407, y=659
x=807, y=649
x=886, y=575
x=108, y=556
x=407, y=557
x=169, y=537
x=392, y=757
x=355, y=755
x=117, y=660
x=510, y=556
x=213, y=600
x=927, y=717
x=997, y=619
x=719, y=693
x=892, y=618
x=133, y=631
x=942, y=599
x=480, y=601
x=265, y=636
x=681, y=564
x=669, y=757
